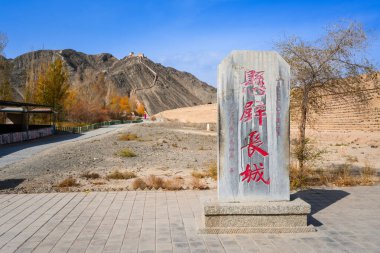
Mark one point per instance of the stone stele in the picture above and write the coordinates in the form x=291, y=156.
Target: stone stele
x=253, y=148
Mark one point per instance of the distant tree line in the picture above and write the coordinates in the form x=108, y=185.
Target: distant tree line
x=5, y=86
x=91, y=100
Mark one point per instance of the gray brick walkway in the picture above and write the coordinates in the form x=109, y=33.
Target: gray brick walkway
x=347, y=219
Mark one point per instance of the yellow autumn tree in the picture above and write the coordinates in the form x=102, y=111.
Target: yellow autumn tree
x=114, y=106
x=5, y=86
x=5, y=91
x=52, y=86
x=71, y=99
x=34, y=70
x=140, y=110
x=136, y=106
x=133, y=103
x=71, y=105
x=124, y=104
x=119, y=107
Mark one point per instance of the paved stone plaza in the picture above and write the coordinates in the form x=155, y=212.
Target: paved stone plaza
x=347, y=220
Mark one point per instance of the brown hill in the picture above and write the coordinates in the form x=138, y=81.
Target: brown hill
x=160, y=88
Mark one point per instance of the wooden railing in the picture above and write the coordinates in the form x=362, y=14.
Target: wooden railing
x=94, y=126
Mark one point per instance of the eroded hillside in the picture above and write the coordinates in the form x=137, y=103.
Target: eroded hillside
x=159, y=87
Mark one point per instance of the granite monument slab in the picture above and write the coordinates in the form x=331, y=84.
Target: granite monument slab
x=253, y=148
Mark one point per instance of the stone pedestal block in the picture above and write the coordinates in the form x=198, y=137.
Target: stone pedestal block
x=256, y=217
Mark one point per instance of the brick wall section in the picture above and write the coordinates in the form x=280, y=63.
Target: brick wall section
x=349, y=114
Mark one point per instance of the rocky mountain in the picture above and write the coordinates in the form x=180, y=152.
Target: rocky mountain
x=158, y=87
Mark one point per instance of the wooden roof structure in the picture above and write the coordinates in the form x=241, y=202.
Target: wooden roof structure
x=21, y=107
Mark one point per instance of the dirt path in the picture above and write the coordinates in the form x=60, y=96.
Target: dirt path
x=17, y=152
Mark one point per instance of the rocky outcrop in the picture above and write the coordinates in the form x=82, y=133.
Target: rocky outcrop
x=158, y=87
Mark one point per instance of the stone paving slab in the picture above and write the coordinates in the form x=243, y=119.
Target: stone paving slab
x=347, y=220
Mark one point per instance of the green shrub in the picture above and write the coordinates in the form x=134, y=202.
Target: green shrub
x=126, y=152
x=128, y=137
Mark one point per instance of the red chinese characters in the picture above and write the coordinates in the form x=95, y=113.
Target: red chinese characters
x=254, y=82
x=255, y=175
x=260, y=111
x=254, y=85
x=254, y=144
x=247, y=113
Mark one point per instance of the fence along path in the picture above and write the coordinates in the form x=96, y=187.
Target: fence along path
x=94, y=126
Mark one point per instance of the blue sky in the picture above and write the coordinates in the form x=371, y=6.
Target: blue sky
x=190, y=35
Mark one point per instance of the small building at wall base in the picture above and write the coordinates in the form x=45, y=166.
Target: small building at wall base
x=24, y=121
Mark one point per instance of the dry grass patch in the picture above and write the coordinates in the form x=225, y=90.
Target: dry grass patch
x=212, y=170
x=121, y=175
x=126, y=152
x=154, y=182
x=344, y=176
x=128, y=137
x=368, y=170
x=68, y=182
x=197, y=183
x=173, y=184
x=341, y=176
x=138, y=183
x=197, y=174
x=368, y=174
x=90, y=175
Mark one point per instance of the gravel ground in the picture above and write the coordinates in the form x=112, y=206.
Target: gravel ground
x=168, y=150
x=162, y=149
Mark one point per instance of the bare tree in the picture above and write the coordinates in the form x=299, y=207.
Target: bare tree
x=3, y=42
x=334, y=64
x=5, y=87
x=35, y=68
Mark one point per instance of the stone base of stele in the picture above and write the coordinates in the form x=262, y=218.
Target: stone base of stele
x=256, y=217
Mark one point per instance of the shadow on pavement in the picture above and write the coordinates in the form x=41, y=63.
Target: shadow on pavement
x=7, y=149
x=319, y=199
x=10, y=183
